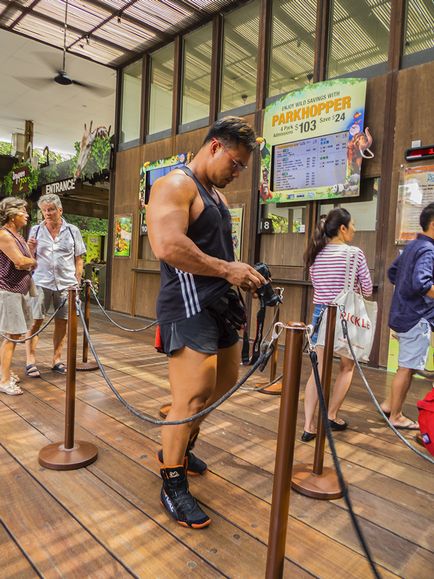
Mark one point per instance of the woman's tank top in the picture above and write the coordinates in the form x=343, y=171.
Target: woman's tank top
x=12, y=279
x=182, y=294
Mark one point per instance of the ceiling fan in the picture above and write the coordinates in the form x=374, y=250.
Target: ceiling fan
x=61, y=76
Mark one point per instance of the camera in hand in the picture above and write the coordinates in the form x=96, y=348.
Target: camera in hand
x=266, y=292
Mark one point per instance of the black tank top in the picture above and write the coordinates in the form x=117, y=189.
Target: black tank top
x=182, y=294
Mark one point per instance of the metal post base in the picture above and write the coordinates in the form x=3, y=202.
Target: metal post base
x=273, y=389
x=164, y=410
x=57, y=457
x=86, y=366
x=323, y=486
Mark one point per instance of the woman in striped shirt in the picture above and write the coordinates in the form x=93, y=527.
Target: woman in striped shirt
x=326, y=257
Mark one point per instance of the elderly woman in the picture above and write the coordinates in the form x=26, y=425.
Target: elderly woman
x=16, y=264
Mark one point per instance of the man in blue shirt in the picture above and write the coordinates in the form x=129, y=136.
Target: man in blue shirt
x=412, y=314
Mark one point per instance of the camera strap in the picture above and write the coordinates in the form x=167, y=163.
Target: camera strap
x=256, y=348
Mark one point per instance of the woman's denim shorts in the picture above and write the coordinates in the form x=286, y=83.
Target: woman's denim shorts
x=317, y=313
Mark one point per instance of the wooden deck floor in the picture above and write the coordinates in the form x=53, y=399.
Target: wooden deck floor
x=106, y=520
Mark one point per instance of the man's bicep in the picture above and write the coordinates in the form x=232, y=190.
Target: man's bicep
x=168, y=212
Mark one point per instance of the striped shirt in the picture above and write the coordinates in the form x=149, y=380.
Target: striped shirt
x=328, y=273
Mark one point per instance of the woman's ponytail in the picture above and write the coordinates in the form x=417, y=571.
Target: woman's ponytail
x=327, y=228
x=316, y=243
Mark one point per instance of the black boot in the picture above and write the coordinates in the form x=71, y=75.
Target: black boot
x=178, y=501
x=195, y=466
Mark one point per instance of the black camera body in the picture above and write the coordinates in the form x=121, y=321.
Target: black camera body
x=266, y=292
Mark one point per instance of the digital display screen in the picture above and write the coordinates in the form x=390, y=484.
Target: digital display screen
x=153, y=174
x=310, y=163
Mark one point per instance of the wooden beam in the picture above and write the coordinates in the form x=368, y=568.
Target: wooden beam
x=216, y=66
x=321, y=40
x=146, y=91
x=177, y=85
x=397, y=30
x=25, y=11
x=264, y=48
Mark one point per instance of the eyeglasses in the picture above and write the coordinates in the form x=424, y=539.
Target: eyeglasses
x=238, y=166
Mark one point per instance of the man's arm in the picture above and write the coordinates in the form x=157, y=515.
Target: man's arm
x=10, y=248
x=79, y=261
x=422, y=280
x=393, y=269
x=168, y=215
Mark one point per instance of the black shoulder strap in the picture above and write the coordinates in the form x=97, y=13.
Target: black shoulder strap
x=38, y=227
x=206, y=197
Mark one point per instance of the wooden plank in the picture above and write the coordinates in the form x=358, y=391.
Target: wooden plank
x=55, y=543
x=141, y=486
x=14, y=564
x=245, y=509
x=143, y=546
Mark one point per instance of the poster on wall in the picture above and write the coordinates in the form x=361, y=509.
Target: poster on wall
x=416, y=189
x=123, y=235
x=149, y=173
x=313, y=143
x=237, y=214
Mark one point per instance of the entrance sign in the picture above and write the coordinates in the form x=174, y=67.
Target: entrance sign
x=416, y=190
x=60, y=186
x=313, y=143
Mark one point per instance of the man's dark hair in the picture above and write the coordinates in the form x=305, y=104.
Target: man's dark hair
x=232, y=131
x=426, y=216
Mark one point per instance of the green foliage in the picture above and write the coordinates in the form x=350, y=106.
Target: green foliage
x=5, y=148
x=31, y=180
x=101, y=152
x=88, y=224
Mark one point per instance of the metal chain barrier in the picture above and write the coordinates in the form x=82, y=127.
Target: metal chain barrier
x=372, y=395
x=23, y=340
x=87, y=281
x=262, y=360
x=342, y=483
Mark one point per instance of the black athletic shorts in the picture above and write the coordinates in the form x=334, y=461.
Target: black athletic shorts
x=205, y=332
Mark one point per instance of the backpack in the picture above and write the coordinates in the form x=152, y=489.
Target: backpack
x=426, y=420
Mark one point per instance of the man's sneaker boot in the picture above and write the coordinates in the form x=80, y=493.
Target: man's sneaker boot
x=195, y=466
x=178, y=501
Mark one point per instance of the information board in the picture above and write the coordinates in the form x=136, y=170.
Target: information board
x=313, y=143
x=416, y=190
x=310, y=163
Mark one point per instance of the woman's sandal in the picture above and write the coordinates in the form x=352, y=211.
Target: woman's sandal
x=59, y=368
x=10, y=388
x=32, y=371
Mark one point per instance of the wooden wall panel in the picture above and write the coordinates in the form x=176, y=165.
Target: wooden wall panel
x=414, y=121
x=147, y=287
x=126, y=202
x=374, y=119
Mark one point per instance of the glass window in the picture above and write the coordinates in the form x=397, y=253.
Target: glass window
x=419, y=32
x=196, y=82
x=160, y=100
x=240, y=55
x=292, y=45
x=359, y=37
x=131, y=102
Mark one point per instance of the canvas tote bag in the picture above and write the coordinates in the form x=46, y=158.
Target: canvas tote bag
x=361, y=316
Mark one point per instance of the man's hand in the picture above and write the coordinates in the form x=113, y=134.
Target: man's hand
x=32, y=243
x=244, y=276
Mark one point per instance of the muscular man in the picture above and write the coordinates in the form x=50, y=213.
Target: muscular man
x=59, y=248
x=190, y=232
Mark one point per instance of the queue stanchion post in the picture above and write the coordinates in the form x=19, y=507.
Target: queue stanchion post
x=69, y=454
x=285, y=449
x=316, y=480
x=85, y=365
